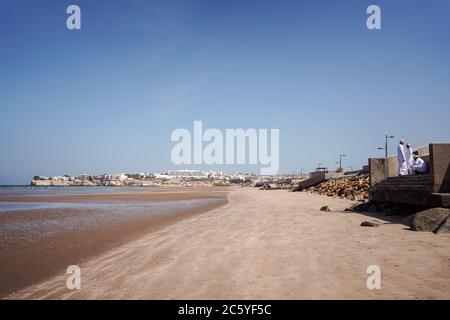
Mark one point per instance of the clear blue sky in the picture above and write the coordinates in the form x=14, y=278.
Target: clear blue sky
x=106, y=98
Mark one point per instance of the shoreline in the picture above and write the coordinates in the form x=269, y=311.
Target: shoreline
x=26, y=264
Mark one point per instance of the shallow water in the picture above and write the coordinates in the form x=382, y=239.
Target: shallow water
x=39, y=190
x=30, y=221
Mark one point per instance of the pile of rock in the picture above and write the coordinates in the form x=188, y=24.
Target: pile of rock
x=349, y=187
x=285, y=184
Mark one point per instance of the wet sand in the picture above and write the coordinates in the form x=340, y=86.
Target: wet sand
x=28, y=259
x=265, y=245
x=158, y=194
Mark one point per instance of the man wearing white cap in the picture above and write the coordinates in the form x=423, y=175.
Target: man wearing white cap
x=402, y=167
x=409, y=158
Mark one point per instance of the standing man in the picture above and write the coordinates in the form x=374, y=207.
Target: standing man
x=409, y=158
x=402, y=167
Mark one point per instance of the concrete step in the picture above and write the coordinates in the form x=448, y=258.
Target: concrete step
x=420, y=198
x=410, y=178
x=414, y=176
x=402, y=187
x=406, y=182
x=442, y=199
x=425, y=199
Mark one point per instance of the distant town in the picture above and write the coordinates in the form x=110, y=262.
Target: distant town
x=171, y=177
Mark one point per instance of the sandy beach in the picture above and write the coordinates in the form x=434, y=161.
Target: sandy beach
x=265, y=245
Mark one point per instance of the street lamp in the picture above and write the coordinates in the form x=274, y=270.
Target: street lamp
x=386, y=144
x=340, y=160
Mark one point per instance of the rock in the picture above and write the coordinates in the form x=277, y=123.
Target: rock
x=409, y=220
x=362, y=207
x=325, y=208
x=373, y=223
x=430, y=219
x=444, y=227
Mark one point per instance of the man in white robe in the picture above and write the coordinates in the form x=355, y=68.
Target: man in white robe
x=409, y=158
x=402, y=167
x=419, y=165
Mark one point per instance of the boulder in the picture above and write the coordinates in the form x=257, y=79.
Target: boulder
x=430, y=219
x=325, y=208
x=372, y=223
x=362, y=207
x=408, y=220
x=444, y=227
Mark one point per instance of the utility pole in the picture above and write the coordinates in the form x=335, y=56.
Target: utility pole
x=340, y=160
x=386, y=144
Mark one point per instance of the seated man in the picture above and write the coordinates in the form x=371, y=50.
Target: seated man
x=419, y=166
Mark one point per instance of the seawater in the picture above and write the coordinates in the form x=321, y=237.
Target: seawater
x=40, y=190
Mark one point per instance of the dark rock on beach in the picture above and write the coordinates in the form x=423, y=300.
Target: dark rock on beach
x=431, y=220
x=444, y=227
x=372, y=223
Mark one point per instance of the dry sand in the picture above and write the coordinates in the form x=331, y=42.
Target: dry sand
x=265, y=245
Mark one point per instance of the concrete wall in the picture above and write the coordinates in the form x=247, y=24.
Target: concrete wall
x=330, y=175
x=423, y=150
x=382, y=168
x=440, y=166
x=317, y=175
x=314, y=178
x=322, y=175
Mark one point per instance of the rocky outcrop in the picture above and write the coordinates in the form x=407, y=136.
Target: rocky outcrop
x=221, y=183
x=52, y=183
x=274, y=185
x=431, y=220
x=325, y=208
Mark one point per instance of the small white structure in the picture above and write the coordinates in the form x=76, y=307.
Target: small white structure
x=182, y=174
